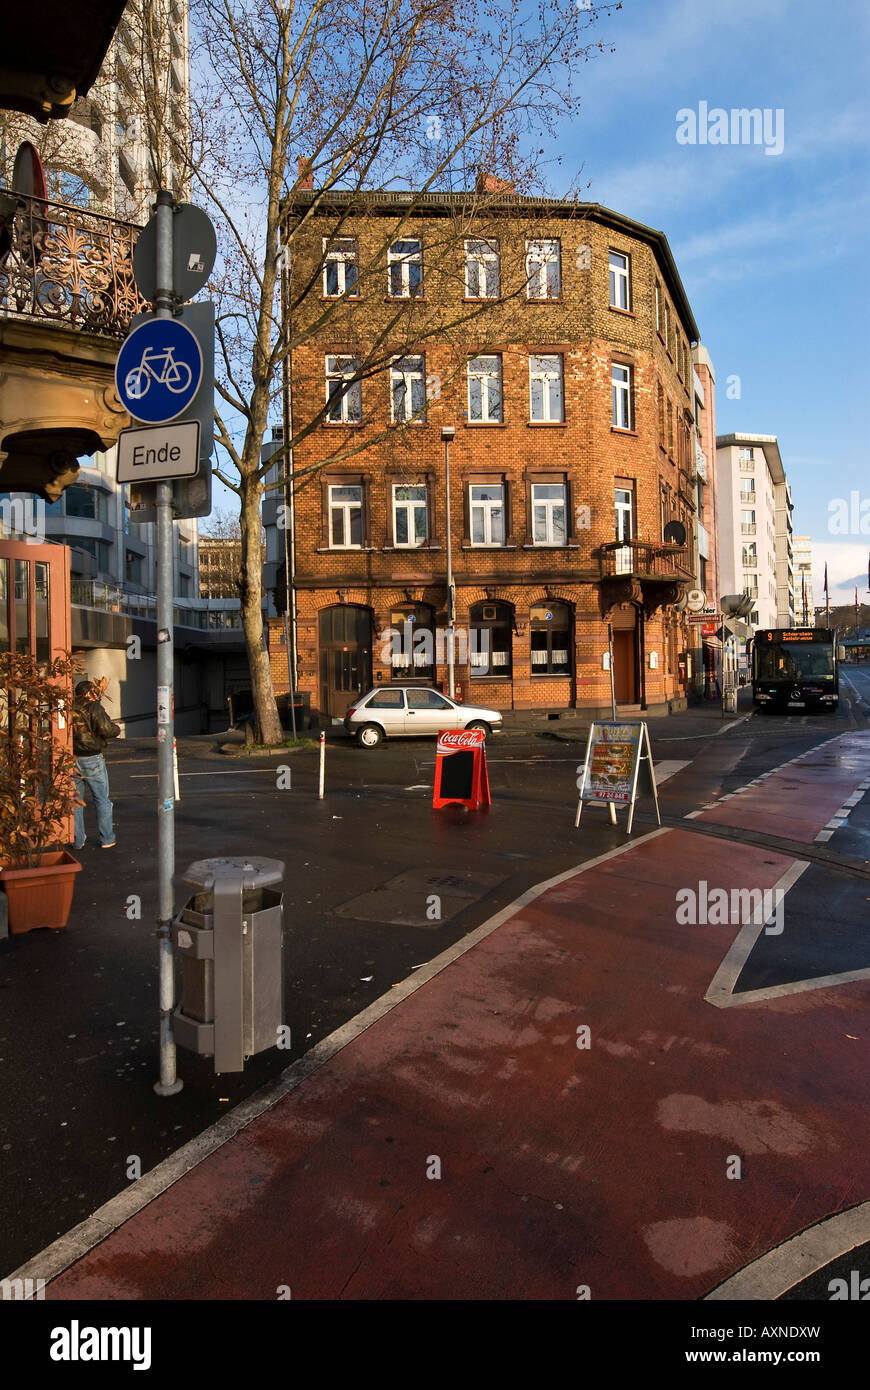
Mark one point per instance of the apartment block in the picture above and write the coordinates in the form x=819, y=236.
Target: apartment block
x=756, y=543
x=555, y=339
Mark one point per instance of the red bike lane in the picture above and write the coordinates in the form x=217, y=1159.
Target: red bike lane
x=469, y=1144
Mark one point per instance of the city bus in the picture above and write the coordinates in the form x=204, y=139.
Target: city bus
x=796, y=668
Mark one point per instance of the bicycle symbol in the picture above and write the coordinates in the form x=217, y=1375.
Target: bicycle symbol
x=176, y=376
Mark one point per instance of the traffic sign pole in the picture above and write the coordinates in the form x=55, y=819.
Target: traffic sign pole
x=168, y=1085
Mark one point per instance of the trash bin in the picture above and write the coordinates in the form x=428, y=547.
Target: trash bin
x=229, y=940
x=731, y=700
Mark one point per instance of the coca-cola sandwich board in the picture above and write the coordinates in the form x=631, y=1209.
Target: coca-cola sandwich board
x=461, y=775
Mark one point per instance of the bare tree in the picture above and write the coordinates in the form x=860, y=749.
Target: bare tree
x=347, y=97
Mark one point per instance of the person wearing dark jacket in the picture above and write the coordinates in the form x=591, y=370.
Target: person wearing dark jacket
x=92, y=729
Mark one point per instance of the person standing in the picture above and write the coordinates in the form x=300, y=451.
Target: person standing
x=92, y=729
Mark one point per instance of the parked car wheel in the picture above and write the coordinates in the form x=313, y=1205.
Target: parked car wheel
x=479, y=724
x=370, y=735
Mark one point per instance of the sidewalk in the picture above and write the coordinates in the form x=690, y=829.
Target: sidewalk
x=459, y=1141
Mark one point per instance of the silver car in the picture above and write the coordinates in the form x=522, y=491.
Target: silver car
x=395, y=711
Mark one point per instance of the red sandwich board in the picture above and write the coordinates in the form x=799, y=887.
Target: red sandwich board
x=460, y=769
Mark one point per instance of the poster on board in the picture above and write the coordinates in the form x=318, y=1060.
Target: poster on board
x=617, y=768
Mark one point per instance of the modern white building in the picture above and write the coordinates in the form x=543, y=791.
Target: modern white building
x=803, y=581
x=756, y=542
x=124, y=137
x=103, y=158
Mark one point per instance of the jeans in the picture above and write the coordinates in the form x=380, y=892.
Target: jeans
x=91, y=772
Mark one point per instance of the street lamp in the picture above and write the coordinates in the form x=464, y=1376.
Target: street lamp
x=447, y=433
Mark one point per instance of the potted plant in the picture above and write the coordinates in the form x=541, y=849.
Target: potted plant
x=37, y=789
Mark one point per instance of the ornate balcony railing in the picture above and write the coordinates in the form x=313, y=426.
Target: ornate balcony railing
x=67, y=266
x=645, y=560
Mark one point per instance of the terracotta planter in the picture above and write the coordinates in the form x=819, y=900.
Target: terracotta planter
x=41, y=897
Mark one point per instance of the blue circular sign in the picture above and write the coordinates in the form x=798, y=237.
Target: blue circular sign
x=158, y=371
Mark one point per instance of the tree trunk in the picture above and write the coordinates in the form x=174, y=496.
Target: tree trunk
x=251, y=594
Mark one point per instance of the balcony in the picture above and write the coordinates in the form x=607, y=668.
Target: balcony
x=110, y=598
x=651, y=574
x=645, y=560
x=748, y=528
x=67, y=296
x=67, y=266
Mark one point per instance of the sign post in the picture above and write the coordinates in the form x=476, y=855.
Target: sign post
x=168, y=1084
x=618, y=768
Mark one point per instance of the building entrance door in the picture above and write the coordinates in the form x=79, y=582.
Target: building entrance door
x=345, y=657
x=624, y=666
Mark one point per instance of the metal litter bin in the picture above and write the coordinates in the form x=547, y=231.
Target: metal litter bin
x=229, y=938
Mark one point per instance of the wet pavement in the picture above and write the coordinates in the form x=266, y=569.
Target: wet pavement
x=77, y=1039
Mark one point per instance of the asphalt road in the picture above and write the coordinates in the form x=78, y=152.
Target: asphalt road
x=78, y=1018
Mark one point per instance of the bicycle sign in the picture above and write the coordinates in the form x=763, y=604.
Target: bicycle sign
x=158, y=371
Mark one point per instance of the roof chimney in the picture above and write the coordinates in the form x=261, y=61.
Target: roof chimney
x=488, y=183
x=305, y=178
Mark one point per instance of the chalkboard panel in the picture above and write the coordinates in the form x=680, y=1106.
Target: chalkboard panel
x=457, y=775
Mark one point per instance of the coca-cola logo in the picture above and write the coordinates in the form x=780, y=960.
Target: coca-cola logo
x=465, y=738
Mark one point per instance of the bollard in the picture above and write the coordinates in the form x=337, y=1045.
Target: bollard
x=322, y=763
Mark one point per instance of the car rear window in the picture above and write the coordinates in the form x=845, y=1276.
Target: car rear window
x=387, y=699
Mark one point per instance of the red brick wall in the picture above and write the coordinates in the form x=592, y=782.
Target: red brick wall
x=585, y=450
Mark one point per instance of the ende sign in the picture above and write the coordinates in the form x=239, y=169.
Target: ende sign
x=166, y=451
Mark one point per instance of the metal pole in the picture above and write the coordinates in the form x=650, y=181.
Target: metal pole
x=322, y=764
x=447, y=434
x=168, y=1085
x=610, y=662
x=287, y=425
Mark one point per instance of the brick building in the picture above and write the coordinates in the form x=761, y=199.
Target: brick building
x=556, y=338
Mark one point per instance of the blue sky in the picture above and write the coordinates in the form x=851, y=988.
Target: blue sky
x=772, y=249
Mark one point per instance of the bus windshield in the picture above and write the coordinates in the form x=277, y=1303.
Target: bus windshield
x=779, y=661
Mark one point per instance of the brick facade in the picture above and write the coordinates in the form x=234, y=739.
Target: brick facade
x=635, y=587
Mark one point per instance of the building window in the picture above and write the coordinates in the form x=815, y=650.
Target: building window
x=410, y=514
x=340, y=268
x=747, y=523
x=543, y=270
x=750, y=556
x=549, y=513
x=413, y=645
x=487, y=512
x=346, y=516
x=484, y=389
x=481, y=270
x=750, y=585
x=405, y=262
x=86, y=502
x=550, y=628
x=623, y=501
x=747, y=490
x=545, y=388
x=491, y=639
x=100, y=551
x=658, y=307
x=620, y=286
x=408, y=389
x=343, y=394
x=666, y=325
x=620, y=379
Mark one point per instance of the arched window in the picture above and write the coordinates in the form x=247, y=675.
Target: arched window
x=492, y=627
x=551, y=630
x=413, y=646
